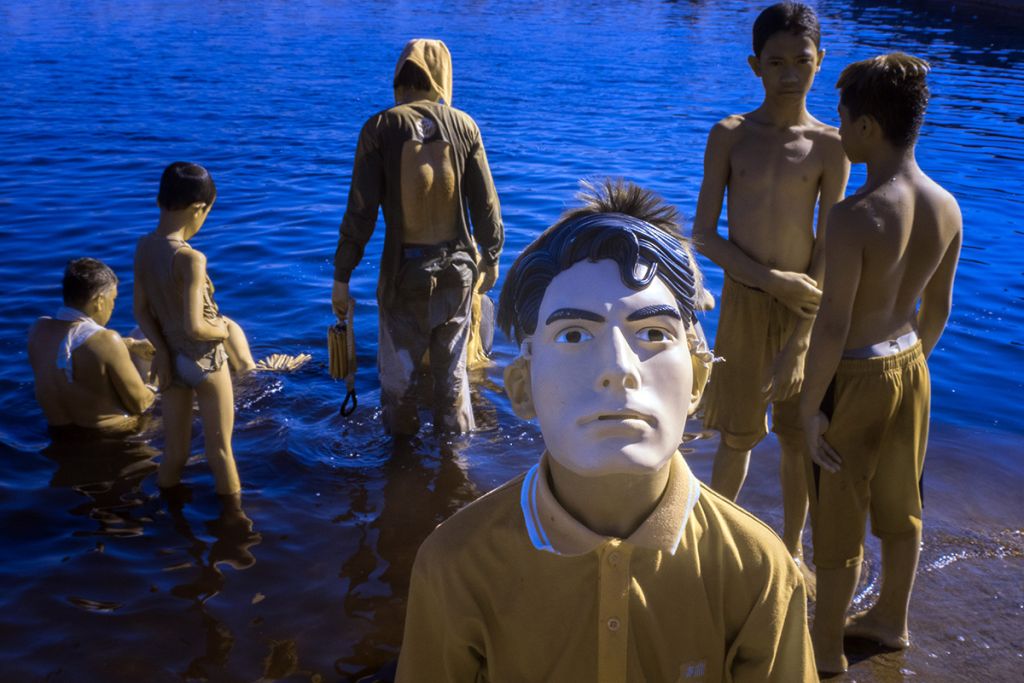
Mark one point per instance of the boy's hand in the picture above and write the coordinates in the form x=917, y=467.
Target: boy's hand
x=797, y=291
x=141, y=348
x=787, y=375
x=340, y=300
x=821, y=452
x=488, y=276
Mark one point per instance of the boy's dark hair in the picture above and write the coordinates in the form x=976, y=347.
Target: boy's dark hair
x=412, y=77
x=84, y=278
x=790, y=17
x=620, y=221
x=184, y=184
x=890, y=88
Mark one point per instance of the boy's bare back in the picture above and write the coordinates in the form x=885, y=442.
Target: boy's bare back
x=895, y=243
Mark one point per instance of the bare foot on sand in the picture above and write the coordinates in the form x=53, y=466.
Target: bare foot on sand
x=869, y=627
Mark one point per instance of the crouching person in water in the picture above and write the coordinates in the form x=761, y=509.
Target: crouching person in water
x=175, y=309
x=608, y=560
x=424, y=162
x=84, y=375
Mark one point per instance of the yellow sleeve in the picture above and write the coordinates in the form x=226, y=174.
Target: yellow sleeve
x=436, y=645
x=774, y=644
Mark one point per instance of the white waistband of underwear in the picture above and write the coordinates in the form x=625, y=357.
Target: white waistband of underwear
x=890, y=347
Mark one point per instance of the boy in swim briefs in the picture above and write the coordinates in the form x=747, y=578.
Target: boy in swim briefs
x=891, y=257
x=608, y=560
x=775, y=163
x=174, y=307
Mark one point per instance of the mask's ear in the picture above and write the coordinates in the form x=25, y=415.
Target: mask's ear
x=519, y=389
x=702, y=359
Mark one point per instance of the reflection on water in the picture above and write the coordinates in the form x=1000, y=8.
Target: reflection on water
x=106, y=579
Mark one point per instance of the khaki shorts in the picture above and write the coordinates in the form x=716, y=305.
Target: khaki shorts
x=753, y=327
x=878, y=412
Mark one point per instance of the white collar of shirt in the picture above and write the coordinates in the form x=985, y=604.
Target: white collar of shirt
x=552, y=529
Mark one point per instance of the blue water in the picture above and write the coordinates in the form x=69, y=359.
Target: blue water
x=109, y=581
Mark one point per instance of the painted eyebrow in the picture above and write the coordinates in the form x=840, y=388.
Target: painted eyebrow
x=653, y=312
x=573, y=314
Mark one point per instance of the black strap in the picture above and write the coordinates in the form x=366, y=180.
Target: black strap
x=347, y=409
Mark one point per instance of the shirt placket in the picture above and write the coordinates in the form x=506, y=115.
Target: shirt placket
x=613, y=611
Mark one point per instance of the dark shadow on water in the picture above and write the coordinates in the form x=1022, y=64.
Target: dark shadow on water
x=424, y=483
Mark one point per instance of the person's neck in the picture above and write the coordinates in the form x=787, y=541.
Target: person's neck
x=407, y=96
x=887, y=162
x=611, y=505
x=174, y=226
x=783, y=113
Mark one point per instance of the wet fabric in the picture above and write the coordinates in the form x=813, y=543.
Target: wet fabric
x=193, y=372
x=878, y=423
x=154, y=257
x=753, y=328
x=376, y=176
x=82, y=328
x=433, y=58
x=513, y=588
x=431, y=312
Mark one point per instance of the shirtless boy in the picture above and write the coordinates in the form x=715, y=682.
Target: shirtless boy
x=776, y=162
x=84, y=376
x=174, y=307
x=891, y=257
x=423, y=161
x=608, y=560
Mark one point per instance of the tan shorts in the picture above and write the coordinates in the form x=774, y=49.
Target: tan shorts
x=753, y=327
x=878, y=412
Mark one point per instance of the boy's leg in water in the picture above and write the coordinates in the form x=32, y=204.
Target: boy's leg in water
x=835, y=592
x=217, y=412
x=237, y=348
x=886, y=622
x=450, y=308
x=730, y=469
x=401, y=346
x=794, y=504
x=176, y=404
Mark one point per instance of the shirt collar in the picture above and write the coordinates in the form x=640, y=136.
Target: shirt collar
x=552, y=529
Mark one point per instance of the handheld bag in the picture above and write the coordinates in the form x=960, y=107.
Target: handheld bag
x=341, y=350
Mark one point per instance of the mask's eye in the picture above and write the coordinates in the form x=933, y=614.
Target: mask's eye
x=573, y=335
x=655, y=335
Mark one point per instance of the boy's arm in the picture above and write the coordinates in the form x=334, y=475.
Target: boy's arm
x=937, y=297
x=191, y=266
x=796, y=290
x=432, y=648
x=360, y=218
x=133, y=393
x=843, y=253
x=148, y=324
x=485, y=212
x=788, y=369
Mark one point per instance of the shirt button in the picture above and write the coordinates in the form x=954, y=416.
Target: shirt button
x=613, y=624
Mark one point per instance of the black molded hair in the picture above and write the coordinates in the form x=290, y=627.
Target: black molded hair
x=412, y=77
x=84, y=278
x=893, y=89
x=789, y=17
x=592, y=234
x=184, y=184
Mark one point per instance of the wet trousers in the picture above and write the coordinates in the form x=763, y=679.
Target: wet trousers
x=430, y=312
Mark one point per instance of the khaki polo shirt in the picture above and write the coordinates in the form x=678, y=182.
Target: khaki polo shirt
x=512, y=588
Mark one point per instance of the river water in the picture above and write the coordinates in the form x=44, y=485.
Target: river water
x=104, y=579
